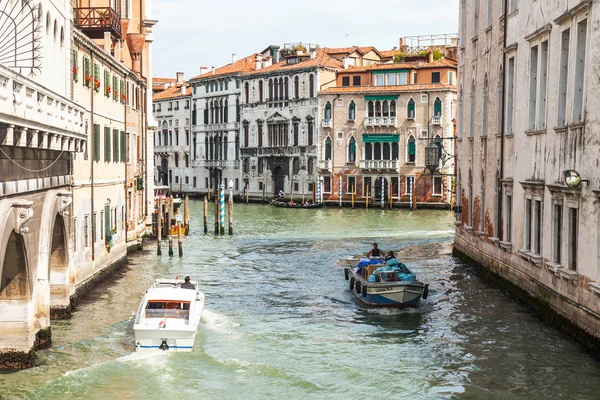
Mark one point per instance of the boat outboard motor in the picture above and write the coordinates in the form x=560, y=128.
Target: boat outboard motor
x=163, y=346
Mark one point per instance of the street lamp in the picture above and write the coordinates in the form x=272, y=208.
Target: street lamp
x=433, y=155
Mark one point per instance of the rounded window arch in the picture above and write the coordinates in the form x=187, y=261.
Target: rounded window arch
x=328, y=148
x=437, y=107
x=351, y=111
x=411, y=109
x=48, y=22
x=327, y=111
x=55, y=30
x=411, y=149
x=62, y=37
x=352, y=150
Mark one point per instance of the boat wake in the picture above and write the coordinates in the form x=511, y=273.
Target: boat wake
x=218, y=322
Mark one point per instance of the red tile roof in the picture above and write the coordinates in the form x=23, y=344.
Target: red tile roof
x=245, y=64
x=322, y=59
x=172, y=92
x=388, y=89
x=163, y=80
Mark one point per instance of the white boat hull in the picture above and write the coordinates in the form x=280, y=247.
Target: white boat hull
x=155, y=339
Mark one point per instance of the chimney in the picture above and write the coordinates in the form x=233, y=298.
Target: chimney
x=213, y=69
x=313, y=55
x=203, y=70
x=401, y=43
x=180, y=78
x=268, y=61
x=345, y=61
x=183, y=90
x=430, y=56
x=258, y=62
x=107, y=41
x=232, y=58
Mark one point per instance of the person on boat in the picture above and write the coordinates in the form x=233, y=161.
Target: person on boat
x=280, y=194
x=374, y=252
x=187, y=284
x=390, y=256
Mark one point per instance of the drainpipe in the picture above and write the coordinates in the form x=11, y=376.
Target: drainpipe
x=93, y=153
x=503, y=126
x=125, y=158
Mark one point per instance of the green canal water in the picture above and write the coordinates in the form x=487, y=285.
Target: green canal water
x=280, y=323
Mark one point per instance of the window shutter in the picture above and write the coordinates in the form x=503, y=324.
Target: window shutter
x=106, y=83
x=411, y=148
x=96, y=142
x=352, y=147
x=75, y=67
x=122, y=91
x=123, y=146
x=115, y=88
x=115, y=145
x=438, y=108
x=106, y=144
x=86, y=72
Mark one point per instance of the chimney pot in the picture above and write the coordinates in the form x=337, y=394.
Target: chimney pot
x=203, y=70
x=180, y=78
x=233, y=59
x=213, y=69
x=107, y=41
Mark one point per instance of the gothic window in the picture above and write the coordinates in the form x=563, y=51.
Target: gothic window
x=437, y=107
x=352, y=111
x=411, y=150
x=410, y=109
x=311, y=86
x=328, y=148
x=296, y=87
x=352, y=150
x=328, y=111
x=260, y=91
x=247, y=92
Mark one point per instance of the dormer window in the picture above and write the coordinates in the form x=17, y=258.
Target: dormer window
x=292, y=60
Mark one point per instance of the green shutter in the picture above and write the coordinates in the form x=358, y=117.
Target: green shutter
x=373, y=98
x=115, y=88
x=411, y=148
x=411, y=106
x=115, y=145
x=106, y=144
x=96, y=77
x=122, y=91
x=106, y=83
x=86, y=72
x=75, y=66
x=96, y=142
x=352, y=147
x=123, y=146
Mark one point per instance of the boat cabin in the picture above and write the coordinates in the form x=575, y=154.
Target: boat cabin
x=167, y=309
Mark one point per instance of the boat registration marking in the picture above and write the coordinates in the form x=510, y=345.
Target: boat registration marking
x=384, y=290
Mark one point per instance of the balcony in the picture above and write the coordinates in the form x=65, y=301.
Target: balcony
x=436, y=120
x=94, y=21
x=325, y=165
x=33, y=116
x=195, y=163
x=381, y=121
x=379, y=164
x=327, y=123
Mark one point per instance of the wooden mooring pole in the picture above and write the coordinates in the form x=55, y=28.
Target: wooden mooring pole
x=206, y=214
x=352, y=196
x=159, y=228
x=216, y=215
x=186, y=214
x=367, y=197
x=179, y=227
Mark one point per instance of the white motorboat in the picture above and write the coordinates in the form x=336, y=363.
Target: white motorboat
x=168, y=316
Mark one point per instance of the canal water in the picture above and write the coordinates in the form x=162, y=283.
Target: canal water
x=280, y=322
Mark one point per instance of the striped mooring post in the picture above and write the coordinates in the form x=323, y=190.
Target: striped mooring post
x=411, y=193
x=340, y=191
x=382, y=193
x=319, y=192
x=222, y=208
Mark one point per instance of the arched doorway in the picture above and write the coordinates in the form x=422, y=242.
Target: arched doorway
x=14, y=282
x=164, y=171
x=58, y=258
x=278, y=176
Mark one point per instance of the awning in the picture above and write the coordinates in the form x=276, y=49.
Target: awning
x=381, y=138
x=389, y=97
x=390, y=71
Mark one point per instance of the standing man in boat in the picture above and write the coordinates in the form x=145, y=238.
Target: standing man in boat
x=374, y=252
x=187, y=284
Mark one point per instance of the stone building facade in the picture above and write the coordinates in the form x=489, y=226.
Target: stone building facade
x=279, y=123
x=174, y=145
x=526, y=115
x=376, y=123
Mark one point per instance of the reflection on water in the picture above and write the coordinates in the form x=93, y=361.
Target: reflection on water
x=280, y=322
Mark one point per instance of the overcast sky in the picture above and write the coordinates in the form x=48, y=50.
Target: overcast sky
x=194, y=33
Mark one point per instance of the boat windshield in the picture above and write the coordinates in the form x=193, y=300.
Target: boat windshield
x=169, y=309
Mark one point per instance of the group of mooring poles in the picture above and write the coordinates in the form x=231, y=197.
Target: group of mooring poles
x=390, y=201
x=220, y=212
x=176, y=223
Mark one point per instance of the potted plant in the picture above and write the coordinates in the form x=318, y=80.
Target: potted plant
x=75, y=70
x=96, y=84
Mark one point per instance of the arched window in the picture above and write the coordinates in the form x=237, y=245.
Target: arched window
x=225, y=149
x=225, y=111
x=377, y=151
x=470, y=198
x=411, y=150
x=260, y=91
x=311, y=166
x=194, y=115
x=352, y=111
x=270, y=90
x=386, y=109
x=311, y=86
x=296, y=165
x=287, y=90
x=484, y=127
x=62, y=37
x=410, y=109
x=352, y=150
x=247, y=92
x=395, y=151
x=237, y=110
x=327, y=111
x=368, y=151
x=472, y=111
x=281, y=88
x=310, y=131
x=437, y=107
x=393, y=108
x=328, y=148
x=386, y=151
x=48, y=23
x=275, y=90
x=296, y=87
x=206, y=148
x=246, y=165
x=370, y=111
x=378, y=108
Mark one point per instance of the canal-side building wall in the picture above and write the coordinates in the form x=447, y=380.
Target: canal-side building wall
x=216, y=110
x=280, y=129
x=174, y=144
x=41, y=130
x=374, y=130
x=526, y=114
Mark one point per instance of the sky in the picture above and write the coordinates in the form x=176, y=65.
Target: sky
x=194, y=33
